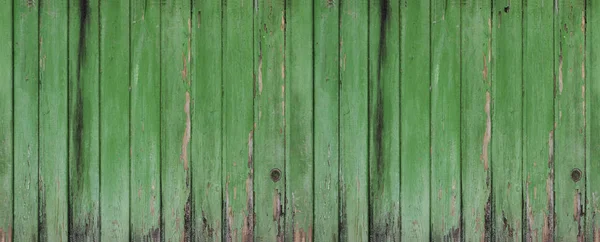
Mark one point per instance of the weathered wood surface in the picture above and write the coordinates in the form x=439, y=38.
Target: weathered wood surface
x=347, y=120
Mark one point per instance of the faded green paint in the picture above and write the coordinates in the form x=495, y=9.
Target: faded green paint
x=6, y=122
x=592, y=101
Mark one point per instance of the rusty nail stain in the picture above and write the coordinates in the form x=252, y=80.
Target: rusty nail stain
x=275, y=174
x=576, y=174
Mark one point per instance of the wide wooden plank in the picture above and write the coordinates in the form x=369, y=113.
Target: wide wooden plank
x=569, y=150
x=25, y=96
x=84, y=121
x=415, y=116
x=592, y=73
x=114, y=120
x=354, y=82
x=6, y=121
x=299, y=120
x=538, y=121
x=445, y=121
x=384, y=120
x=207, y=119
x=176, y=37
x=326, y=46
x=269, y=119
x=507, y=122
x=53, y=198
x=476, y=123
x=238, y=120
x=145, y=199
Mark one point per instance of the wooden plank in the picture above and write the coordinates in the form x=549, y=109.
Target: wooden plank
x=53, y=198
x=569, y=60
x=299, y=120
x=538, y=121
x=445, y=121
x=384, y=120
x=176, y=37
x=415, y=116
x=145, y=199
x=114, y=120
x=269, y=118
x=326, y=119
x=507, y=121
x=6, y=121
x=25, y=95
x=354, y=79
x=84, y=121
x=592, y=32
x=476, y=124
x=207, y=119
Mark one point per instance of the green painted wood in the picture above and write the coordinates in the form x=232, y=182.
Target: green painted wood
x=299, y=120
x=53, y=168
x=592, y=108
x=84, y=121
x=6, y=122
x=445, y=121
x=114, y=120
x=145, y=189
x=475, y=120
x=384, y=120
x=207, y=119
x=326, y=93
x=176, y=130
x=415, y=105
x=507, y=121
x=269, y=118
x=538, y=121
x=25, y=96
x=569, y=60
x=238, y=121
x=353, y=121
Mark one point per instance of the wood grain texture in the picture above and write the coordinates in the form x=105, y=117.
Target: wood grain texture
x=6, y=122
x=592, y=108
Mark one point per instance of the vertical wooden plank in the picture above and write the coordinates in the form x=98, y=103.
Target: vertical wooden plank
x=507, y=126
x=84, y=118
x=476, y=123
x=592, y=42
x=238, y=119
x=384, y=124
x=145, y=120
x=25, y=97
x=176, y=37
x=299, y=120
x=570, y=120
x=269, y=118
x=445, y=121
x=207, y=119
x=6, y=121
x=114, y=120
x=538, y=121
x=354, y=79
x=415, y=116
x=326, y=119
x=53, y=121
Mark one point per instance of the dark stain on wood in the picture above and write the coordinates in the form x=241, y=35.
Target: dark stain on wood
x=187, y=222
x=487, y=234
x=42, y=225
x=384, y=4
x=153, y=235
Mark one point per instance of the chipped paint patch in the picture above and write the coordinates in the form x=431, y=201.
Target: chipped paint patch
x=560, y=72
x=260, y=76
x=187, y=132
x=488, y=132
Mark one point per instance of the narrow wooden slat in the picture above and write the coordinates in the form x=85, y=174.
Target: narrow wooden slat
x=176, y=37
x=570, y=125
x=114, y=120
x=476, y=124
x=6, y=121
x=53, y=217
x=538, y=121
x=354, y=80
x=592, y=43
x=445, y=121
x=25, y=95
x=299, y=120
x=145, y=68
x=326, y=119
x=84, y=121
x=206, y=119
x=269, y=119
x=238, y=76
x=415, y=116
x=384, y=116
